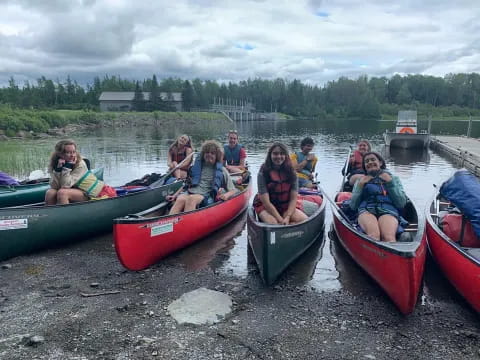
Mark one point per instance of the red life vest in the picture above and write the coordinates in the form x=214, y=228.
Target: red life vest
x=357, y=163
x=279, y=190
x=178, y=156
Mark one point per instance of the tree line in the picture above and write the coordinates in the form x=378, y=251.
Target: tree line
x=363, y=98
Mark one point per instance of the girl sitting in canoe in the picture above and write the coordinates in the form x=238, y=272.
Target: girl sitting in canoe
x=354, y=168
x=378, y=197
x=210, y=180
x=177, y=152
x=70, y=179
x=277, y=181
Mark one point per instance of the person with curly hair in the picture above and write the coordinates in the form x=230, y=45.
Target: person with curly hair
x=209, y=180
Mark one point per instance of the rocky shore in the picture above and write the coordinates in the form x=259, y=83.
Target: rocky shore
x=80, y=303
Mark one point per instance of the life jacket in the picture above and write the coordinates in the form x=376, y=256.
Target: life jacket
x=90, y=184
x=232, y=156
x=278, y=190
x=357, y=163
x=375, y=195
x=307, y=169
x=178, y=156
x=196, y=172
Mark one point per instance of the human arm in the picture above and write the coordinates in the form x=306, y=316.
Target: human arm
x=171, y=164
x=188, y=162
x=265, y=197
x=395, y=189
x=174, y=196
x=70, y=174
x=230, y=187
x=357, y=191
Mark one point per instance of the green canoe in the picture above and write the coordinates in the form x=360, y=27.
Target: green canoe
x=28, y=228
x=29, y=193
x=274, y=247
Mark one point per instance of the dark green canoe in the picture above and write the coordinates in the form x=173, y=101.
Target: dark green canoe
x=29, y=193
x=274, y=247
x=28, y=228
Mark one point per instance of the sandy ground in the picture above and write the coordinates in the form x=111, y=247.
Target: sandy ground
x=47, y=311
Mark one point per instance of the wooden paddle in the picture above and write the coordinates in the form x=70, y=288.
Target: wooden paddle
x=161, y=181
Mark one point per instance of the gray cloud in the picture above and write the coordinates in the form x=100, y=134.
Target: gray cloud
x=311, y=40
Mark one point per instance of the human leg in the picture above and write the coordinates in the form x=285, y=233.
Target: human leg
x=388, y=225
x=51, y=197
x=179, y=204
x=193, y=201
x=66, y=196
x=267, y=218
x=298, y=216
x=368, y=222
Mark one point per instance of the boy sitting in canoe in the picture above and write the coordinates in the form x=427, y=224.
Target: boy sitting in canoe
x=208, y=181
x=304, y=163
x=70, y=178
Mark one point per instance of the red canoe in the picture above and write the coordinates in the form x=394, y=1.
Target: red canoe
x=144, y=238
x=460, y=262
x=396, y=267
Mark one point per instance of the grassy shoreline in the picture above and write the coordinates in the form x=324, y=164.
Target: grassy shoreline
x=33, y=123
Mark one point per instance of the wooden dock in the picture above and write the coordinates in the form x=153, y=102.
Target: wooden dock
x=464, y=151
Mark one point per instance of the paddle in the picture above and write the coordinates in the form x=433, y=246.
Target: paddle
x=161, y=181
x=346, y=167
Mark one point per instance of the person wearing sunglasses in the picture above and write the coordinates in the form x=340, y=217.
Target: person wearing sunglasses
x=234, y=154
x=378, y=197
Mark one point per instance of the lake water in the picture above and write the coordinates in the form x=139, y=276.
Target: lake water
x=129, y=153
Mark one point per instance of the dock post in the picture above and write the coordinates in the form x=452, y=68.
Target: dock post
x=429, y=124
x=469, y=126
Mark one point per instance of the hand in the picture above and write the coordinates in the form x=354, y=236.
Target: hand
x=365, y=179
x=385, y=177
x=286, y=220
x=170, y=197
x=224, y=196
x=60, y=163
x=173, y=164
x=310, y=157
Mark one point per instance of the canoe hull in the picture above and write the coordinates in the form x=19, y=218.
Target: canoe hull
x=397, y=268
x=29, y=193
x=142, y=242
x=29, y=228
x=460, y=268
x=274, y=247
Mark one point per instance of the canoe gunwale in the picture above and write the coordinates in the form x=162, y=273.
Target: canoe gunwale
x=407, y=249
x=429, y=219
x=141, y=219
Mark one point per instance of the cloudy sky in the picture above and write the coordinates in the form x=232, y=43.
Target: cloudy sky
x=231, y=40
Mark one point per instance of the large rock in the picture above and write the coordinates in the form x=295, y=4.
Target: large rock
x=201, y=306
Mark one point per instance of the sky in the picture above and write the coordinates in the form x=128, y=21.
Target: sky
x=315, y=41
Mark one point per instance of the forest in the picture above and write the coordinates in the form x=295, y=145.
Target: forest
x=455, y=95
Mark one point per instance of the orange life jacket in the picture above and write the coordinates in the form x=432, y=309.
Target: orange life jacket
x=279, y=190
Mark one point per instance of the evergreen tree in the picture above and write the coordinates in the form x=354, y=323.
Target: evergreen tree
x=187, y=96
x=138, y=103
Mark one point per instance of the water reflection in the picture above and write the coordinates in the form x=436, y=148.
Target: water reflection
x=130, y=152
x=406, y=156
x=214, y=250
